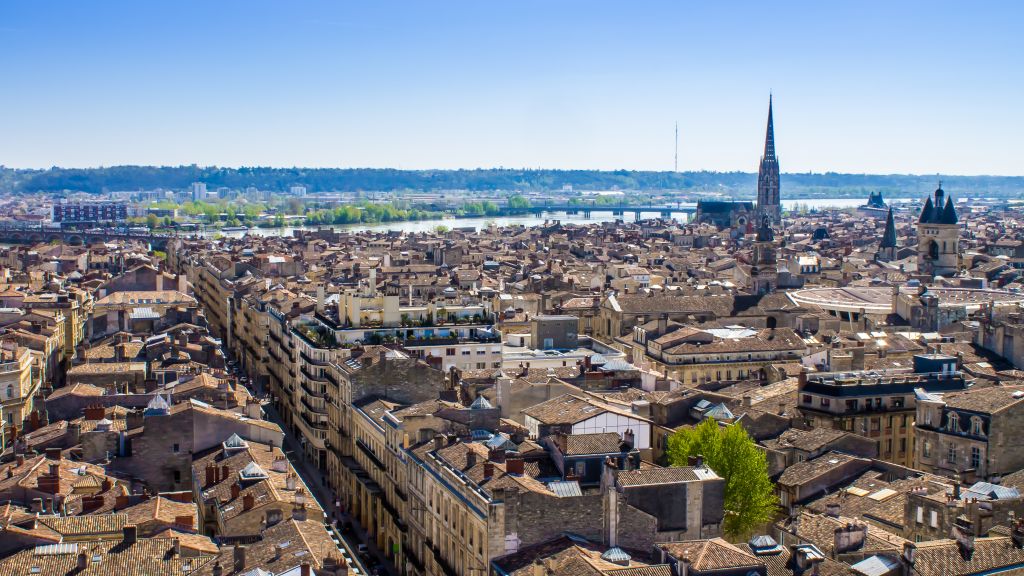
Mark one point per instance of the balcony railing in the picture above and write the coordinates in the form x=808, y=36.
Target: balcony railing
x=312, y=406
x=310, y=360
x=369, y=454
x=309, y=374
x=312, y=422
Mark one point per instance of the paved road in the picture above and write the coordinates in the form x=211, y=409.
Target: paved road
x=326, y=498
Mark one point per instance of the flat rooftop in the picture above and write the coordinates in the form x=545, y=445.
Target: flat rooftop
x=880, y=300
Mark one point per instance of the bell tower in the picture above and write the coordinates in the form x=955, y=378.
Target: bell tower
x=764, y=271
x=938, y=236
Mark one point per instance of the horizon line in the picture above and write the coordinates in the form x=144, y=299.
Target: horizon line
x=501, y=168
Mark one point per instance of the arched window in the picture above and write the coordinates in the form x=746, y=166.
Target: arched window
x=954, y=422
x=933, y=250
x=976, y=426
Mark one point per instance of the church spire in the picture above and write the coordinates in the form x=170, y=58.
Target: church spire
x=768, y=201
x=769, y=137
x=889, y=235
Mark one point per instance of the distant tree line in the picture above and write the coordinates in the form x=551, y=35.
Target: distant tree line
x=119, y=178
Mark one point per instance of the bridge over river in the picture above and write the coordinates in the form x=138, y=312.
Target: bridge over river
x=26, y=233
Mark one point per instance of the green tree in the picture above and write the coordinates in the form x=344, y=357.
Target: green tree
x=518, y=202
x=152, y=221
x=750, y=498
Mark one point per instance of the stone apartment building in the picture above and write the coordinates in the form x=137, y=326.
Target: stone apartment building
x=878, y=406
x=974, y=434
x=470, y=504
x=696, y=356
x=244, y=487
x=18, y=388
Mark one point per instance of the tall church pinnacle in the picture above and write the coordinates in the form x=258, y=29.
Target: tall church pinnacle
x=769, y=137
x=889, y=235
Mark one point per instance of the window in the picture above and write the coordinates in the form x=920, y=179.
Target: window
x=825, y=402
x=975, y=457
x=449, y=352
x=808, y=399
x=954, y=422
x=934, y=517
x=903, y=445
x=951, y=454
x=920, y=514
x=175, y=449
x=976, y=426
x=177, y=476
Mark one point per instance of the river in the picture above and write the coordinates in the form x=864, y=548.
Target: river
x=527, y=220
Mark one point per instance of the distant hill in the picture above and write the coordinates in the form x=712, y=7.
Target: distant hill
x=741, y=184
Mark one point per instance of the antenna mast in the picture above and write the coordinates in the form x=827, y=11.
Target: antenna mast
x=675, y=162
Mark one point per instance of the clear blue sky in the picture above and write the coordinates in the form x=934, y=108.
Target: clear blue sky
x=866, y=86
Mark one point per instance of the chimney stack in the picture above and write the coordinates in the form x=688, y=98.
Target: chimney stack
x=515, y=464
x=239, y=558
x=131, y=534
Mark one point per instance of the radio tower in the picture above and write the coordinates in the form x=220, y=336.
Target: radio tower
x=675, y=162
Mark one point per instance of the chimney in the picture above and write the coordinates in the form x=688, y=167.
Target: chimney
x=20, y=460
x=248, y=501
x=470, y=459
x=488, y=469
x=515, y=465
x=439, y=442
x=1017, y=533
x=304, y=569
x=185, y=521
x=53, y=454
x=850, y=537
x=496, y=455
x=801, y=378
x=90, y=503
x=629, y=438
x=236, y=489
x=832, y=509
x=747, y=401
x=94, y=412
x=909, y=555
x=224, y=473
x=131, y=534
x=239, y=558
x=106, y=485
x=83, y=561
x=217, y=570
x=211, y=475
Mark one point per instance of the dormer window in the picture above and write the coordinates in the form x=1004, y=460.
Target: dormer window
x=976, y=426
x=954, y=422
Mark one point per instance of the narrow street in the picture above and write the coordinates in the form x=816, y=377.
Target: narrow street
x=315, y=480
